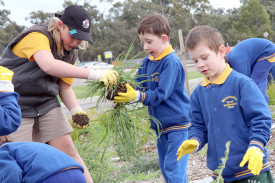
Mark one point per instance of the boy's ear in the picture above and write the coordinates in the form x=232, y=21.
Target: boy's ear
x=222, y=50
x=164, y=38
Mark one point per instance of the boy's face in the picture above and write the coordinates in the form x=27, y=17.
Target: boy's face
x=68, y=41
x=207, y=61
x=153, y=44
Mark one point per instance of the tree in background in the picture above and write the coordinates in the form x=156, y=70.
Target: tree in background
x=39, y=17
x=253, y=21
x=116, y=30
x=8, y=28
x=269, y=6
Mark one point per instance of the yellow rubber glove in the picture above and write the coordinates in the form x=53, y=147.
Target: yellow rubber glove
x=5, y=80
x=129, y=96
x=254, y=157
x=187, y=147
x=80, y=118
x=109, y=77
x=5, y=74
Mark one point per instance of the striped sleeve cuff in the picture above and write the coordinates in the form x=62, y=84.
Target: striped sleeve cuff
x=141, y=97
x=256, y=144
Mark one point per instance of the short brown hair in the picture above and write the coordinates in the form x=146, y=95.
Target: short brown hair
x=209, y=35
x=154, y=23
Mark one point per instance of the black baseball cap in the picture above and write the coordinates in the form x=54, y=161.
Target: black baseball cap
x=78, y=21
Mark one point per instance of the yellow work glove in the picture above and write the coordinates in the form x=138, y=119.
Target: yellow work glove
x=5, y=80
x=129, y=96
x=109, y=77
x=187, y=147
x=254, y=157
x=80, y=118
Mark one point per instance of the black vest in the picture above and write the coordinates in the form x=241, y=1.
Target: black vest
x=38, y=91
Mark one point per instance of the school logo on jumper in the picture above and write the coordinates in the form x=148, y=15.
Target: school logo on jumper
x=229, y=102
x=155, y=77
x=85, y=23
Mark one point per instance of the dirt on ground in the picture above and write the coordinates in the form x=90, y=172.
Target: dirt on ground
x=197, y=169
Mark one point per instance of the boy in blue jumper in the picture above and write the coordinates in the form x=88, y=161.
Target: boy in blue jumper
x=10, y=112
x=165, y=94
x=36, y=162
x=29, y=161
x=254, y=58
x=226, y=106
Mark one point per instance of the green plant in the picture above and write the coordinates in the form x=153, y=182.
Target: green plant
x=271, y=93
x=222, y=165
x=125, y=122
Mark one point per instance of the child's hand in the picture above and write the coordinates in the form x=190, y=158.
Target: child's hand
x=254, y=157
x=109, y=77
x=5, y=80
x=129, y=96
x=80, y=118
x=187, y=147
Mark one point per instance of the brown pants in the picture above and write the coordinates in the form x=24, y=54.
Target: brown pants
x=52, y=125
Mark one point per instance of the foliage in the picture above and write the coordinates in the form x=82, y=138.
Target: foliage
x=110, y=169
x=269, y=6
x=253, y=21
x=39, y=17
x=126, y=123
x=271, y=92
x=112, y=31
x=222, y=164
x=8, y=28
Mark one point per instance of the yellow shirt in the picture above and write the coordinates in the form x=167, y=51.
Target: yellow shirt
x=30, y=44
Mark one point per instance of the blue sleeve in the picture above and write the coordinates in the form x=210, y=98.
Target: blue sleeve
x=10, y=170
x=170, y=76
x=10, y=113
x=259, y=75
x=198, y=130
x=256, y=113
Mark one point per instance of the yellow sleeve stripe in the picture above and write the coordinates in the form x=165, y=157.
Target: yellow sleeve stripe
x=176, y=127
x=270, y=58
x=245, y=172
x=142, y=97
x=256, y=143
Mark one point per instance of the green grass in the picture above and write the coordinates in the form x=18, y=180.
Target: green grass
x=80, y=91
x=90, y=147
x=194, y=75
x=271, y=93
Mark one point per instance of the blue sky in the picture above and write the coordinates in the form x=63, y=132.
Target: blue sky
x=21, y=9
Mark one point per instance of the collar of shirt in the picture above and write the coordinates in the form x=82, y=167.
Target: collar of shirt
x=221, y=79
x=167, y=51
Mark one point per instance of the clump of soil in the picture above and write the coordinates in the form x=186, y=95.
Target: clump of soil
x=121, y=88
x=80, y=119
